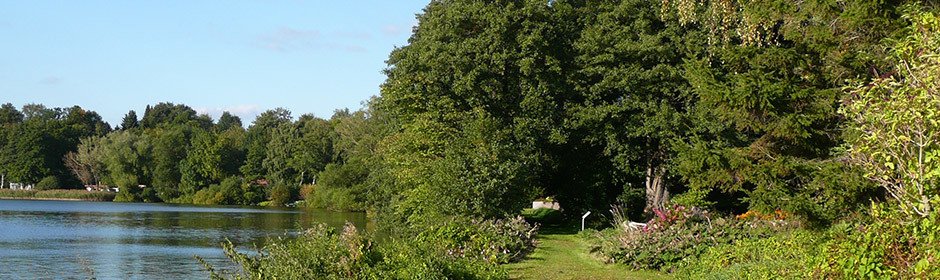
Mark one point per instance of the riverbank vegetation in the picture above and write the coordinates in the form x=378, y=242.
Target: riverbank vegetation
x=57, y=195
x=807, y=127
x=174, y=155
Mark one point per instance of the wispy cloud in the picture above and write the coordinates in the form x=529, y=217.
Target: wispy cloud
x=393, y=29
x=352, y=35
x=398, y=29
x=287, y=39
x=51, y=80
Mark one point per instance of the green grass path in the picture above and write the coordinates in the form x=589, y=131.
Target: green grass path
x=565, y=256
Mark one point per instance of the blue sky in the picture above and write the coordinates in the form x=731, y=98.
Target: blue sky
x=241, y=56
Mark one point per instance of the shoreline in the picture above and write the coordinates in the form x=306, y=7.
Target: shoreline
x=51, y=198
x=60, y=195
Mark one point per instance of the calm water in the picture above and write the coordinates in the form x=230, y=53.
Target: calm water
x=80, y=240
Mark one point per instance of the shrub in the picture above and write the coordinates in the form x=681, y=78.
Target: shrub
x=252, y=193
x=128, y=194
x=338, y=199
x=892, y=246
x=232, y=191
x=785, y=256
x=323, y=253
x=542, y=216
x=495, y=241
x=49, y=183
x=281, y=195
x=340, y=187
x=676, y=234
x=893, y=133
x=305, y=191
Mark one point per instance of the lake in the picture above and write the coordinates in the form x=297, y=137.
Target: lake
x=106, y=240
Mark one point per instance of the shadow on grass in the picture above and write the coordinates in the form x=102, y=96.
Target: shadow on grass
x=558, y=229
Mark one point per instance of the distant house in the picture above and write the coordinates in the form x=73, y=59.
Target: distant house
x=19, y=186
x=97, y=188
x=547, y=203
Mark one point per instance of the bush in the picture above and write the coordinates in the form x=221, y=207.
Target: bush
x=337, y=199
x=892, y=246
x=281, y=195
x=495, y=241
x=340, y=187
x=232, y=191
x=128, y=194
x=49, y=183
x=323, y=253
x=888, y=244
x=785, y=256
x=413, y=260
x=676, y=234
x=543, y=216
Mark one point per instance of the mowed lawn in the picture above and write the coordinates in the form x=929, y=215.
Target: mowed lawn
x=563, y=256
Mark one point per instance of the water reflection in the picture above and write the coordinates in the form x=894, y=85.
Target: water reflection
x=68, y=239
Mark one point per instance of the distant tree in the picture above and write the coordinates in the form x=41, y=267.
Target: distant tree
x=312, y=150
x=82, y=123
x=10, y=115
x=169, y=113
x=87, y=162
x=10, y=118
x=232, y=148
x=39, y=111
x=203, y=163
x=271, y=119
x=279, y=152
x=258, y=138
x=24, y=157
x=227, y=121
x=359, y=133
x=169, y=147
x=126, y=155
x=130, y=120
x=203, y=121
x=78, y=168
x=212, y=157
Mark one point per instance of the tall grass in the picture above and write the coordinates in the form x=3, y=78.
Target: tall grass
x=57, y=194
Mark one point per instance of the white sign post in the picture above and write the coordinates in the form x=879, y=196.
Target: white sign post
x=582, y=219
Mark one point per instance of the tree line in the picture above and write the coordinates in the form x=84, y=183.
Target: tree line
x=726, y=105
x=756, y=139
x=494, y=103
x=176, y=154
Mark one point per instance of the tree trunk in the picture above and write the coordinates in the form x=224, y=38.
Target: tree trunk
x=656, y=192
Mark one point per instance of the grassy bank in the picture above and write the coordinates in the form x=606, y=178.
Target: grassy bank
x=56, y=195
x=564, y=255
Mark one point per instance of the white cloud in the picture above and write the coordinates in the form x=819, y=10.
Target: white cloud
x=247, y=112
